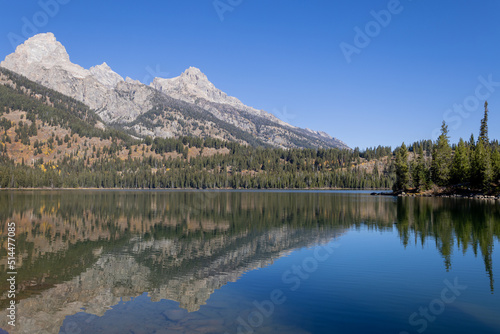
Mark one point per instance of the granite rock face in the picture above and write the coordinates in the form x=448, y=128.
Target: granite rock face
x=193, y=85
x=45, y=60
x=105, y=75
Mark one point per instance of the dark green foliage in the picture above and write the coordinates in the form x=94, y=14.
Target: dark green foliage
x=402, y=169
x=441, y=158
x=244, y=167
x=62, y=110
x=495, y=162
x=483, y=131
x=481, y=166
x=375, y=152
x=460, y=167
x=425, y=145
x=5, y=124
x=474, y=166
x=420, y=171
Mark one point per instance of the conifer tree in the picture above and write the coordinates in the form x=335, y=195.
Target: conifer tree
x=460, y=167
x=482, y=168
x=483, y=132
x=472, y=142
x=420, y=175
x=495, y=162
x=402, y=169
x=482, y=173
x=441, y=158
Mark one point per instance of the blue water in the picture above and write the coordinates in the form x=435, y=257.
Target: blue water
x=369, y=283
x=253, y=262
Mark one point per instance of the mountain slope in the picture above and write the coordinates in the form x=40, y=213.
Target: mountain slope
x=44, y=60
x=159, y=109
x=51, y=108
x=193, y=86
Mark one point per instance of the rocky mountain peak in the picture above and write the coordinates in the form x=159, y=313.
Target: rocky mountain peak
x=105, y=75
x=42, y=48
x=194, y=75
x=41, y=51
x=192, y=79
x=104, y=67
x=193, y=84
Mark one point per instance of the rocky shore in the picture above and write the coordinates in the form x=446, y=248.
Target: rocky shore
x=477, y=196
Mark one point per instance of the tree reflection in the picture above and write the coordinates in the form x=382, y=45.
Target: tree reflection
x=62, y=234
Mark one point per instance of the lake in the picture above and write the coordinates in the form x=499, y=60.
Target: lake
x=250, y=262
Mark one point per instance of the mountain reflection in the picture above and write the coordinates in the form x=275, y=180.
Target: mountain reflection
x=92, y=249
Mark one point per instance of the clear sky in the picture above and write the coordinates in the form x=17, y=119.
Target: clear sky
x=429, y=61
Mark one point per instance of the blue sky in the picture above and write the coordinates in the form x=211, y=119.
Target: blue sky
x=285, y=56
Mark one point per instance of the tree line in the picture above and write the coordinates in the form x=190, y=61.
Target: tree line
x=472, y=165
x=243, y=167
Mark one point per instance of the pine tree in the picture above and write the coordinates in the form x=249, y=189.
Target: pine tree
x=441, y=158
x=375, y=171
x=495, y=162
x=482, y=173
x=460, y=167
x=483, y=133
x=472, y=142
x=482, y=169
x=420, y=175
x=402, y=169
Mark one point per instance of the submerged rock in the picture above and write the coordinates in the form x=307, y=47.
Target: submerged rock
x=175, y=315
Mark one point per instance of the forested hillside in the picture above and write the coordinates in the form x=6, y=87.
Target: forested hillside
x=50, y=140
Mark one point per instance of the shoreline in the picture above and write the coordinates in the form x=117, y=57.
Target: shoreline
x=206, y=189
x=374, y=192
x=469, y=195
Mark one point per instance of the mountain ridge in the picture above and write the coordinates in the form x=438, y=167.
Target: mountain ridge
x=121, y=101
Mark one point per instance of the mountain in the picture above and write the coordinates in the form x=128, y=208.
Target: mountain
x=188, y=105
x=48, y=139
x=170, y=252
x=193, y=86
x=44, y=60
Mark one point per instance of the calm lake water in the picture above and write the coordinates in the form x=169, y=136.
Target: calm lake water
x=251, y=262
